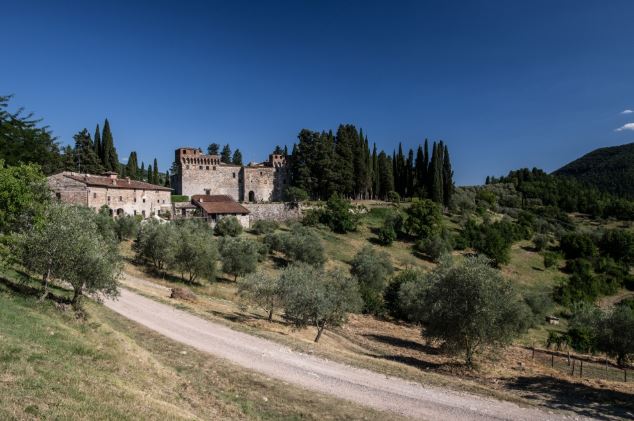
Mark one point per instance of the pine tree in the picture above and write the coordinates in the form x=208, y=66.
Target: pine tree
x=278, y=150
x=155, y=173
x=213, y=149
x=359, y=165
x=110, y=159
x=85, y=158
x=409, y=168
x=447, y=178
x=237, y=157
x=375, y=172
x=97, y=143
x=225, y=156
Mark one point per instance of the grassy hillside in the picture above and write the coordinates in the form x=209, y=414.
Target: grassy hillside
x=53, y=366
x=609, y=169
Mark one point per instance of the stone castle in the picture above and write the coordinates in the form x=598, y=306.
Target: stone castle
x=200, y=174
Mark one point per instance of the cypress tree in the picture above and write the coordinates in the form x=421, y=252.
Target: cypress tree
x=155, y=173
x=225, y=156
x=419, y=170
x=237, y=157
x=426, y=168
x=447, y=178
x=436, y=188
x=344, y=157
x=359, y=164
x=386, y=177
x=409, y=167
x=98, y=146
x=142, y=172
x=132, y=166
x=375, y=172
x=110, y=158
x=149, y=173
x=167, y=178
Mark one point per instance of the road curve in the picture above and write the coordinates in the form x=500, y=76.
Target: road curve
x=342, y=381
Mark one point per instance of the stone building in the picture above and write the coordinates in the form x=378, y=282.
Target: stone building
x=215, y=207
x=121, y=195
x=200, y=174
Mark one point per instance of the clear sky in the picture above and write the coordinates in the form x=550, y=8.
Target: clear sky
x=506, y=84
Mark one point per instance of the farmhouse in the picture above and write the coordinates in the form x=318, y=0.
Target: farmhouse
x=215, y=207
x=121, y=196
x=200, y=174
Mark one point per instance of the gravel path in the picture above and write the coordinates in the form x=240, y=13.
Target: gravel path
x=362, y=386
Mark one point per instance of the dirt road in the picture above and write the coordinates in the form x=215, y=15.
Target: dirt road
x=362, y=386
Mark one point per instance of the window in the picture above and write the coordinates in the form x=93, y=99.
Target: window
x=207, y=168
x=200, y=167
x=144, y=200
x=135, y=200
x=120, y=198
x=134, y=213
x=158, y=201
x=234, y=175
x=186, y=167
x=108, y=198
x=214, y=168
x=261, y=173
x=207, y=192
x=94, y=195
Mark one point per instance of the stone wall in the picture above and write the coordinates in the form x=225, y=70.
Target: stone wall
x=210, y=179
x=67, y=190
x=279, y=212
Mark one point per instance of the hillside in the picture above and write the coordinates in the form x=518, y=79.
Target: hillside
x=609, y=169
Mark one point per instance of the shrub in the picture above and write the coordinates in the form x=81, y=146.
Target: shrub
x=392, y=225
x=339, y=215
x=393, y=303
x=295, y=195
x=551, y=259
x=228, y=226
x=312, y=217
x=540, y=242
x=239, y=256
x=578, y=245
x=435, y=247
x=312, y=297
x=264, y=227
x=371, y=268
x=393, y=197
x=424, y=219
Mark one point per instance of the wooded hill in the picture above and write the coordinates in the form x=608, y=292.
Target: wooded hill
x=608, y=169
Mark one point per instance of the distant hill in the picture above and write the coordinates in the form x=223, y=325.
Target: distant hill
x=609, y=169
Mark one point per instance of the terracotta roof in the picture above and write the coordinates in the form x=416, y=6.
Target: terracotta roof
x=121, y=183
x=219, y=204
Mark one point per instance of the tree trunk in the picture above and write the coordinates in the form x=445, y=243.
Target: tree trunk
x=271, y=315
x=46, y=278
x=320, y=329
x=76, y=301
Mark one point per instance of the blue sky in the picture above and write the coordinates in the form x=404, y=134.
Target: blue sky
x=506, y=84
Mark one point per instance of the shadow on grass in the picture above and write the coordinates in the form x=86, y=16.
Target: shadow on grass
x=403, y=343
x=411, y=361
x=579, y=398
x=26, y=286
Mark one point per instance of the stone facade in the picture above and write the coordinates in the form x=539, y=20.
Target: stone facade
x=278, y=212
x=121, y=196
x=198, y=173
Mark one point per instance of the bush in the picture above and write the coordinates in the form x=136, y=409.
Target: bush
x=312, y=297
x=228, y=226
x=262, y=290
x=301, y=244
x=393, y=303
x=551, y=259
x=424, y=219
x=371, y=268
x=295, y=195
x=312, y=217
x=578, y=245
x=392, y=225
x=393, y=197
x=339, y=215
x=435, y=247
x=540, y=242
x=264, y=227
x=239, y=256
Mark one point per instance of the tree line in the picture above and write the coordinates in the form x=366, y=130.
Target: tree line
x=24, y=140
x=325, y=163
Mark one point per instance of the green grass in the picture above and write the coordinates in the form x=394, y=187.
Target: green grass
x=54, y=366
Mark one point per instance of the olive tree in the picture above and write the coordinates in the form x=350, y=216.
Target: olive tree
x=154, y=244
x=194, y=252
x=301, y=244
x=262, y=290
x=68, y=246
x=468, y=306
x=228, y=226
x=239, y=256
x=424, y=219
x=312, y=297
x=371, y=268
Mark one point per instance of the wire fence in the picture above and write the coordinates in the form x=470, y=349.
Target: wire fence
x=582, y=366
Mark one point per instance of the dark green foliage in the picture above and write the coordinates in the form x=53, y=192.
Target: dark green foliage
x=387, y=233
x=23, y=198
x=228, y=226
x=155, y=173
x=154, y=244
x=213, y=149
x=225, y=156
x=540, y=242
x=391, y=298
x=85, y=158
x=239, y=256
x=109, y=158
x=22, y=141
x=540, y=305
x=619, y=245
x=237, y=157
x=126, y=227
x=194, y=252
x=492, y=239
x=177, y=198
x=312, y=297
x=301, y=244
x=578, y=245
x=312, y=217
x=393, y=197
x=424, y=219
x=608, y=169
x=436, y=246
x=132, y=167
x=371, y=268
x=339, y=215
x=264, y=227
x=551, y=259
x=295, y=195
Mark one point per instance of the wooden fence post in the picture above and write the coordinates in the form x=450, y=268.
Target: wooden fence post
x=581, y=369
x=573, y=367
x=625, y=375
